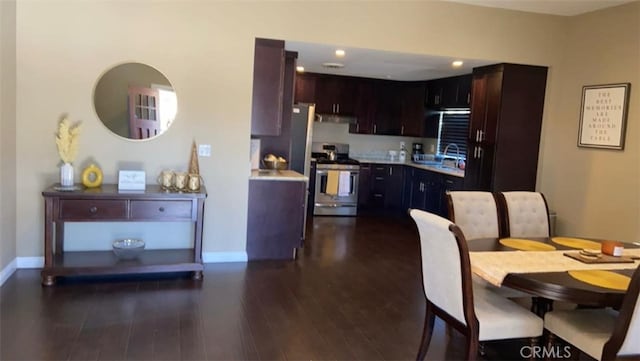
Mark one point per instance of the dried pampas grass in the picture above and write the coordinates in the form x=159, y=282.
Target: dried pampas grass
x=67, y=140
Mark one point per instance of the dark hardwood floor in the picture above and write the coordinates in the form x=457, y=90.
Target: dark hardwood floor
x=353, y=294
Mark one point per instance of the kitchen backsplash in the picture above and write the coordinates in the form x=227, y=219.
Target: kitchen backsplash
x=364, y=145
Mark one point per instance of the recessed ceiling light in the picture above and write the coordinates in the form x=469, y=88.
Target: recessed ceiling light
x=333, y=65
x=300, y=69
x=457, y=63
x=340, y=53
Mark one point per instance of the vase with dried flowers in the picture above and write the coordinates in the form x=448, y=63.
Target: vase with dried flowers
x=67, y=143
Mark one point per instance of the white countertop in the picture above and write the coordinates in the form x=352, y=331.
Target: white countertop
x=445, y=170
x=279, y=175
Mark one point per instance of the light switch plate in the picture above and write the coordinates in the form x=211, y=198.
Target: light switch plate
x=204, y=150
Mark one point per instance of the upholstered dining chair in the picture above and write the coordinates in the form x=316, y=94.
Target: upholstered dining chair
x=475, y=212
x=603, y=334
x=479, y=314
x=524, y=214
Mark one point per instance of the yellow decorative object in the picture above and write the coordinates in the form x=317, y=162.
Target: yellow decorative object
x=526, y=244
x=92, y=176
x=194, y=167
x=606, y=279
x=67, y=140
x=577, y=243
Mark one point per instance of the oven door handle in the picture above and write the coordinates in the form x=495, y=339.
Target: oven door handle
x=353, y=172
x=334, y=205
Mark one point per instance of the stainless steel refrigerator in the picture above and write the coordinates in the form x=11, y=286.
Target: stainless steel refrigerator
x=301, y=134
x=300, y=156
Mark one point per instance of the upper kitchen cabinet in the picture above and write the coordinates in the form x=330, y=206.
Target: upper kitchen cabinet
x=363, y=107
x=268, y=87
x=305, y=89
x=386, y=108
x=335, y=94
x=504, y=127
x=452, y=92
x=412, y=117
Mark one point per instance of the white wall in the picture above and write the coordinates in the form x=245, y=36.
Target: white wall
x=206, y=50
x=596, y=192
x=7, y=137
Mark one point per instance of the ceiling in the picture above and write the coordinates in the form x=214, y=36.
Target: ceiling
x=368, y=63
x=553, y=7
x=379, y=64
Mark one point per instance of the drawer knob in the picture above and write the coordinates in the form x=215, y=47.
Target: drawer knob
x=161, y=209
x=93, y=209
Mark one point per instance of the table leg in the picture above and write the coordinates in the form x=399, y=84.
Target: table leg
x=48, y=280
x=197, y=275
x=541, y=305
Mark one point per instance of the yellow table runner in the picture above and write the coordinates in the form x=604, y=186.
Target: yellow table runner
x=606, y=279
x=526, y=244
x=495, y=266
x=577, y=243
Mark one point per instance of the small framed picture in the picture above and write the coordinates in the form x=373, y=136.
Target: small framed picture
x=131, y=180
x=603, y=116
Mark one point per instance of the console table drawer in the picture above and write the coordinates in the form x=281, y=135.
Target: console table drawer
x=166, y=210
x=93, y=209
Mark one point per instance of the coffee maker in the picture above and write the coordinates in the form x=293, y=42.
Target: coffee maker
x=417, y=149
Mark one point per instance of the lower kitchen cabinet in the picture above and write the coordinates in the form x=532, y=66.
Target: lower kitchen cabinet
x=427, y=190
x=275, y=223
x=381, y=186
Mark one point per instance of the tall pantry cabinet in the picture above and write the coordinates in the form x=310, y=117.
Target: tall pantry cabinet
x=504, y=127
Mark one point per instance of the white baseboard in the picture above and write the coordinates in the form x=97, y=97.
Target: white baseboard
x=30, y=262
x=222, y=257
x=38, y=262
x=7, y=271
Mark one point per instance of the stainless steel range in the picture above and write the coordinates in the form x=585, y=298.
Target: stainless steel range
x=336, y=189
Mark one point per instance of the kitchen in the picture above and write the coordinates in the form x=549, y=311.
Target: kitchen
x=364, y=121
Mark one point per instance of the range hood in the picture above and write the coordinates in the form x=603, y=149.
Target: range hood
x=336, y=118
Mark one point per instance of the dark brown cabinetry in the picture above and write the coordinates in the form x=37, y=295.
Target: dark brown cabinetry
x=305, y=88
x=268, y=87
x=381, y=186
x=452, y=92
x=427, y=190
x=504, y=128
x=363, y=108
x=412, y=118
x=387, y=108
x=335, y=94
x=106, y=204
x=275, y=223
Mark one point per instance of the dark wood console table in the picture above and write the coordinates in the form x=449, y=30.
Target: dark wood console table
x=107, y=204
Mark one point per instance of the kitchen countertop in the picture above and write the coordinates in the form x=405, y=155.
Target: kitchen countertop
x=279, y=175
x=444, y=170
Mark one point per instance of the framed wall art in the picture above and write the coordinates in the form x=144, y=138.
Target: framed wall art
x=603, y=116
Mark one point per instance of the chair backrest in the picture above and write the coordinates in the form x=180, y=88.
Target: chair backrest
x=524, y=214
x=626, y=332
x=475, y=213
x=446, y=271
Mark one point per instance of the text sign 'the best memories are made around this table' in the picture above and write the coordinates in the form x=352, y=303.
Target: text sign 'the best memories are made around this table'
x=603, y=116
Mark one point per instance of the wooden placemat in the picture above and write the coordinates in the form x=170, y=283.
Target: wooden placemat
x=602, y=259
x=526, y=244
x=606, y=279
x=578, y=243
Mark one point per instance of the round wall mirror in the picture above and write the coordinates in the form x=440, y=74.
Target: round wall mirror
x=135, y=101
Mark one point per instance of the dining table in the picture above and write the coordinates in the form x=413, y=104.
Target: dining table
x=553, y=269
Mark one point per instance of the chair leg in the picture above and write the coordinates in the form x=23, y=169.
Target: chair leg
x=429, y=319
x=533, y=342
x=473, y=347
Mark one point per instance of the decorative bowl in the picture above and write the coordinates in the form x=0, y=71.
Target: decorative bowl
x=275, y=164
x=128, y=248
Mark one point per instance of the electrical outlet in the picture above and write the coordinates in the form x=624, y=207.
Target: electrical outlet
x=402, y=146
x=204, y=150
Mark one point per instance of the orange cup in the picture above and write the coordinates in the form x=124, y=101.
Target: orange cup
x=612, y=248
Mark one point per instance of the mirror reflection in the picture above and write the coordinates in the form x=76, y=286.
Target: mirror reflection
x=135, y=101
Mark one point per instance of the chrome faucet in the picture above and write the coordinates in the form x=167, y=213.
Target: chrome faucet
x=457, y=158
